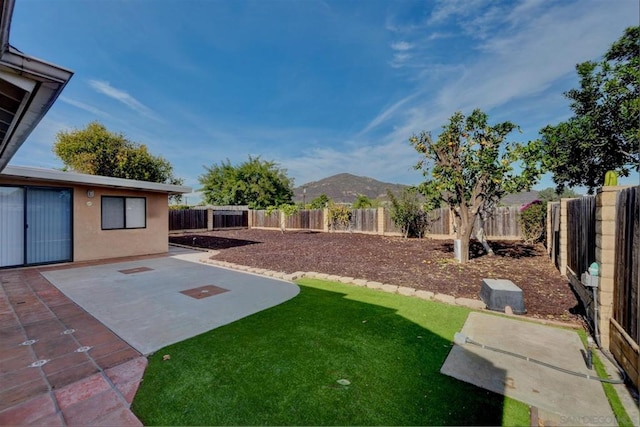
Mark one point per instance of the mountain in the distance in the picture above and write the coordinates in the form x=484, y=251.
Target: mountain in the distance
x=344, y=188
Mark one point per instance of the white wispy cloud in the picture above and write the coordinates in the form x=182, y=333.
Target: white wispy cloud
x=439, y=35
x=445, y=9
x=401, y=46
x=122, y=96
x=513, y=62
x=86, y=107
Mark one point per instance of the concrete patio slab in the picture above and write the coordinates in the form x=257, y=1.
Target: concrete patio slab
x=559, y=398
x=56, y=360
x=141, y=300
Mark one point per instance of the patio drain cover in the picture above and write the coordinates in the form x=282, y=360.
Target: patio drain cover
x=135, y=270
x=204, y=291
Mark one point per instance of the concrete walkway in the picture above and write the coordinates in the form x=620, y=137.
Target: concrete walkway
x=154, y=302
x=557, y=398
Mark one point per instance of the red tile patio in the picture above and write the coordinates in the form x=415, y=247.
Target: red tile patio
x=58, y=364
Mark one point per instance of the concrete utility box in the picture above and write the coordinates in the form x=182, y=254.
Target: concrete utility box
x=499, y=293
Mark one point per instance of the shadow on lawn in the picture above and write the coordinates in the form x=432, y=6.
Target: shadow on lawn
x=298, y=351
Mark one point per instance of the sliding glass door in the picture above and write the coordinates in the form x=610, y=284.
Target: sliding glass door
x=35, y=225
x=48, y=225
x=11, y=226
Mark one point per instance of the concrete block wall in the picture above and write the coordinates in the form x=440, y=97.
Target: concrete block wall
x=605, y=257
x=562, y=257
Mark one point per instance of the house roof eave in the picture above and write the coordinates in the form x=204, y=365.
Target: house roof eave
x=57, y=176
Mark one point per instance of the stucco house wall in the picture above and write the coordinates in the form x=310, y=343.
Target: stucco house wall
x=90, y=240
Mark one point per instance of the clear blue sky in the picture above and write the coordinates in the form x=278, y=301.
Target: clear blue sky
x=321, y=87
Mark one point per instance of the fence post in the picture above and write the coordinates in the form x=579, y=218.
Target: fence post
x=381, y=220
x=249, y=219
x=562, y=261
x=549, y=229
x=325, y=220
x=210, y=222
x=605, y=256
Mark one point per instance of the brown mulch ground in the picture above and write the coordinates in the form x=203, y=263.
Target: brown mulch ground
x=419, y=263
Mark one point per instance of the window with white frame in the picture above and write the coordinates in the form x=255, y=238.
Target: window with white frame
x=123, y=212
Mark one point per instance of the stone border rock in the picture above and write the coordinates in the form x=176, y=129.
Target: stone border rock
x=384, y=287
x=473, y=304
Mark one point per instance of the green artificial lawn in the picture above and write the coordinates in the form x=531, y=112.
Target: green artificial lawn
x=281, y=367
x=614, y=400
x=612, y=395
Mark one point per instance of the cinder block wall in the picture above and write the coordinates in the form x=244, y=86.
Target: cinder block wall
x=605, y=257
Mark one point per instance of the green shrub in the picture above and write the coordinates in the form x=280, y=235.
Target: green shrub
x=407, y=213
x=532, y=221
x=339, y=217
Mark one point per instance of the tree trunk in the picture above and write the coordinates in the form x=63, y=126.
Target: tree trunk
x=482, y=238
x=463, y=233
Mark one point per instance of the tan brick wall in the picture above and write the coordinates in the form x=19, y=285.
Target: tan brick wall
x=605, y=257
x=325, y=214
x=381, y=220
x=209, y=219
x=562, y=256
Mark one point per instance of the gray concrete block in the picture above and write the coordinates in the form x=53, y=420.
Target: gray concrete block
x=497, y=294
x=428, y=295
x=359, y=282
x=404, y=290
x=392, y=289
x=374, y=285
x=471, y=303
x=343, y=279
x=448, y=299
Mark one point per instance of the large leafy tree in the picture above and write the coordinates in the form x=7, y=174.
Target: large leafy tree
x=550, y=195
x=362, y=202
x=97, y=151
x=470, y=167
x=255, y=182
x=320, y=202
x=604, y=132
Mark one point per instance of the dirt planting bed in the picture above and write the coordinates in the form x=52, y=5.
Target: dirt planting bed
x=419, y=263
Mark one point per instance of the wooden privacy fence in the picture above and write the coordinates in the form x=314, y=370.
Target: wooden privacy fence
x=626, y=301
x=503, y=222
x=208, y=218
x=262, y=219
x=187, y=219
x=440, y=221
x=581, y=234
x=311, y=219
x=553, y=232
x=581, y=247
x=364, y=220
